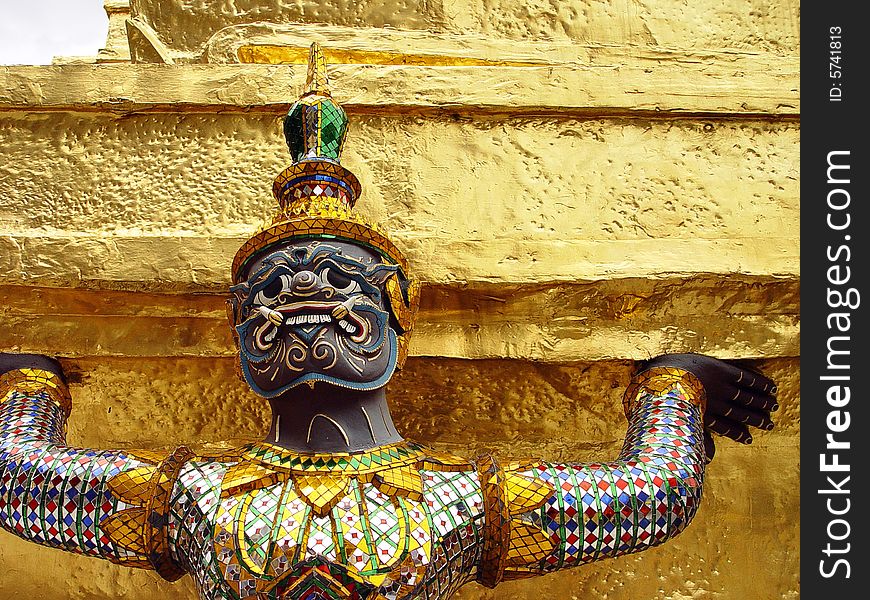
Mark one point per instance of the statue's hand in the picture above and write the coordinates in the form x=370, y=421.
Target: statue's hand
x=737, y=398
x=11, y=362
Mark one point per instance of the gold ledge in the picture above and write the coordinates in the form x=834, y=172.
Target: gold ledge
x=618, y=89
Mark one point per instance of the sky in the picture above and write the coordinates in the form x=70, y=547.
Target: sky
x=33, y=31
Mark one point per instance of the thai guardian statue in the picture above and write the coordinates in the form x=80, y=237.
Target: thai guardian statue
x=334, y=503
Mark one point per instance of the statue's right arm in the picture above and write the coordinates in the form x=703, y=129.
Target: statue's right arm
x=51, y=493
x=651, y=492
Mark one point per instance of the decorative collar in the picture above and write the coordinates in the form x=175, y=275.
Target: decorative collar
x=348, y=463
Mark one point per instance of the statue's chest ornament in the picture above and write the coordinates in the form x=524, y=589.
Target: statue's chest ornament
x=350, y=526
x=365, y=526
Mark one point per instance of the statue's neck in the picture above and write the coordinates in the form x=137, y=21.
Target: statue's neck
x=330, y=419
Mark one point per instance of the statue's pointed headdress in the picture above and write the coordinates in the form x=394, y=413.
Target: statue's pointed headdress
x=316, y=195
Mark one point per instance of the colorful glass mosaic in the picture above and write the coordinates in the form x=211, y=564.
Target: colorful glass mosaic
x=50, y=493
x=396, y=522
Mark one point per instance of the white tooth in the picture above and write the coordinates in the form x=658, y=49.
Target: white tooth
x=325, y=318
x=313, y=319
x=291, y=320
x=351, y=329
x=343, y=324
x=271, y=335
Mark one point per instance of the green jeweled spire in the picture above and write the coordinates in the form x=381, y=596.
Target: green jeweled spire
x=315, y=125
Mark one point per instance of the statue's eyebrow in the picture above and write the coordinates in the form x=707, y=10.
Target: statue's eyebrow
x=326, y=252
x=353, y=266
x=313, y=257
x=265, y=272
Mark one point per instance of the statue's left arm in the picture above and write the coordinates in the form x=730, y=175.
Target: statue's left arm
x=589, y=511
x=51, y=493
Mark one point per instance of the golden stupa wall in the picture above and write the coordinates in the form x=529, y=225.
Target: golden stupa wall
x=579, y=185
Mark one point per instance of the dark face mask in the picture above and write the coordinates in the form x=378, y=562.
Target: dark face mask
x=315, y=311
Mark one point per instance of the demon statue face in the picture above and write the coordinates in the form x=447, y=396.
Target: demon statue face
x=314, y=311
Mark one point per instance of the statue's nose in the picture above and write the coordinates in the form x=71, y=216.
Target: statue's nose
x=303, y=281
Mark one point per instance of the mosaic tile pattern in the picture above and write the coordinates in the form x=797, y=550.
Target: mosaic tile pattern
x=315, y=126
x=253, y=542
x=243, y=525
x=648, y=495
x=50, y=493
x=361, y=462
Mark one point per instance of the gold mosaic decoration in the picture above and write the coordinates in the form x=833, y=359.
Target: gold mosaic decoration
x=496, y=524
x=322, y=479
x=35, y=380
x=510, y=544
x=142, y=528
x=528, y=543
x=659, y=380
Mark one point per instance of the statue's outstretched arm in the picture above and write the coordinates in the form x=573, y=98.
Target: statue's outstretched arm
x=652, y=490
x=50, y=493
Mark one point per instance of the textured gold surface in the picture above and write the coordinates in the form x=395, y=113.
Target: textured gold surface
x=576, y=199
x=557, y=179
x=272, y=54
x=751, y=25
x=116, y=49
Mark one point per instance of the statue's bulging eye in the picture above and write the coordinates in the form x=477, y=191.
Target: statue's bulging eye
x=341, y=282
x=272, y=290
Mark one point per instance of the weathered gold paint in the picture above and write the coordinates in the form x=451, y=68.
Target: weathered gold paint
x=634, y=193
x=768, y=89
x=116, y=48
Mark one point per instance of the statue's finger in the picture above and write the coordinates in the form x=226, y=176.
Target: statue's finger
x=738, y=396
x=755, y=381
x=748, y=416
x=725, y=426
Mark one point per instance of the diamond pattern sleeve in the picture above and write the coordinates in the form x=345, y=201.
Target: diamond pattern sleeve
x=51, y=493
x=646, y=496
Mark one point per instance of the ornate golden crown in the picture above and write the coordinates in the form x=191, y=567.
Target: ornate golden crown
x=316, y=195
